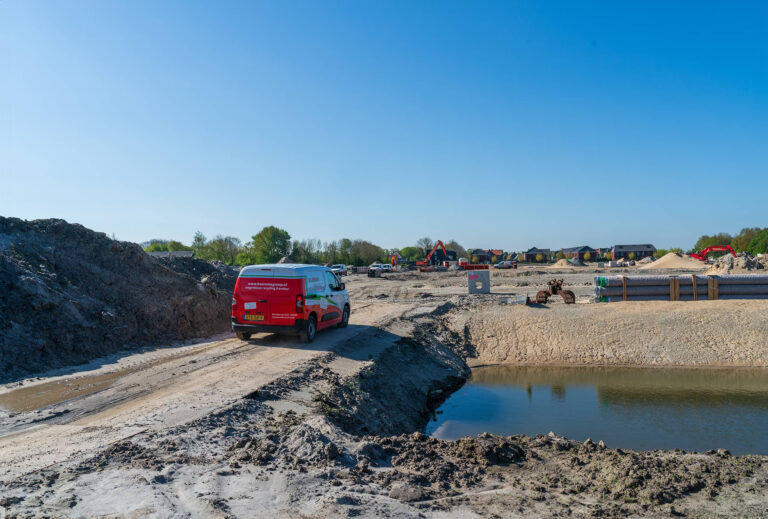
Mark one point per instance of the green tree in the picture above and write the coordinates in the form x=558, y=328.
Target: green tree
x=223, y=248
x=453, y=245
x=177, y=246
x=742, y=240
x=345, y=250
x=425, y=243
x=705, y=241
x=331, y=252
x=364, y=253
x=559, y=255
x=198, y=243
x=759, y=244
x=412, y=253
x=663, y=252
x=268, y=246
x=157, y=246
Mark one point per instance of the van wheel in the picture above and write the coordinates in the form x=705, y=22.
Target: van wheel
x=243, y=336
x=310, y=330
x=344, y=317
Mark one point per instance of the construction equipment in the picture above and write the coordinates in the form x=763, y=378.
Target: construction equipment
x=437, y=259
x=473, y=266
x=555, y=287
x=715, y=248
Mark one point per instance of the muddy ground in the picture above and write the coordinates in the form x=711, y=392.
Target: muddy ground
x=273, y=428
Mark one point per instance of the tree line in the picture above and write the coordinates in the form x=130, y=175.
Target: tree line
x=272, y=244
x=753, y=240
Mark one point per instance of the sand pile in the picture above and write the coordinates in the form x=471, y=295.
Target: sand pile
x=560, y=263
x=645, y=261
x=675, y=260
x=744, y=263
x=564, y=263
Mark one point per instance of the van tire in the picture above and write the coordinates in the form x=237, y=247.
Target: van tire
x=344, y=317
x=310, y=330
x=243, y=336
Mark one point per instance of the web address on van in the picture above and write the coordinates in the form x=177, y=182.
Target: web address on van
x=260, y=285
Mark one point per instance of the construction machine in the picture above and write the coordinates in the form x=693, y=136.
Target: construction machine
x=437, y=256
x=555, y=287
x=715, y=248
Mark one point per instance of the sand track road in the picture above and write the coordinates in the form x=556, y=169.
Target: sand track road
x=53, y=419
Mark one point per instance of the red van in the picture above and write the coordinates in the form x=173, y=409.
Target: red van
x=288, y=298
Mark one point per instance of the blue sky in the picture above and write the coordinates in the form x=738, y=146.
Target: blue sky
x=498, y=124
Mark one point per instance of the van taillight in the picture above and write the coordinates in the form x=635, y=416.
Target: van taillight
x=299, y=304
x=234, y=301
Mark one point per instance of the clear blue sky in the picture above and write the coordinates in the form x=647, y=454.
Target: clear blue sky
x=498, y=124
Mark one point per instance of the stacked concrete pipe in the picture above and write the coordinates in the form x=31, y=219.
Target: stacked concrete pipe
x=610, y=289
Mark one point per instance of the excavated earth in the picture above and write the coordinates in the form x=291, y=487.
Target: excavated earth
x=337, y=430
x=70, y=295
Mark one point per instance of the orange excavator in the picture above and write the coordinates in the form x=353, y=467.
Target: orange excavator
x=715, y=248
x=446, y=254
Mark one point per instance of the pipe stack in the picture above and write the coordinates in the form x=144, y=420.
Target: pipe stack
x=610, y=289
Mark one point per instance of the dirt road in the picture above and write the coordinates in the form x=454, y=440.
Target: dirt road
x=152, y=392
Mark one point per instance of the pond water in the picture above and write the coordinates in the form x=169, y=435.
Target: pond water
x=633, y=408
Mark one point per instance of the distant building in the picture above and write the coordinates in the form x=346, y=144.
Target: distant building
x=486, y=255
x=584, y=253
x=173, y=254
x=632, y=251
x=602, y=251
x=479, y=256
x=537, y=255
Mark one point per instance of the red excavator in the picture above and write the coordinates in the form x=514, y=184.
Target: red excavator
x=428, y=261
x=715, y=248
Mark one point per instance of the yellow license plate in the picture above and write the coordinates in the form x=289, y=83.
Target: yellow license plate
x=253, y=317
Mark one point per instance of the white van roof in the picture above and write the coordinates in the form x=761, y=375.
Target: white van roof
x=280, y=269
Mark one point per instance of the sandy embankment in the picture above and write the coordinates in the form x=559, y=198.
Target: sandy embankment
x=659, y=333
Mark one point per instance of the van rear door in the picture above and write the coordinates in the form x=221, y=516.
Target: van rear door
x=252, y=294
x=268, y=296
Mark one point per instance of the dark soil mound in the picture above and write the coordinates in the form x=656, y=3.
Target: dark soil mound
x=70, y=294
x=207, y=272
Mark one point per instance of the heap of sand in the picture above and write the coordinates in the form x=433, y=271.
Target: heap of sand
x=675, y=260
x=562, y=263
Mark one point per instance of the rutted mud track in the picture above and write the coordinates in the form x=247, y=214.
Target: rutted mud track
x=270, y=428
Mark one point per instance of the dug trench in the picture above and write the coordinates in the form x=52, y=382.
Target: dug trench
x=342, y=435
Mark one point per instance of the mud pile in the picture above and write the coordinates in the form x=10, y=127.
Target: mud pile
x=210, y=273
x=70, y=294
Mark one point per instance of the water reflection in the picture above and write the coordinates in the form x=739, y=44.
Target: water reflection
x=692, y=409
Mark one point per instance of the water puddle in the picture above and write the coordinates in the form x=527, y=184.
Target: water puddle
x=634, y=408
x=38, y=396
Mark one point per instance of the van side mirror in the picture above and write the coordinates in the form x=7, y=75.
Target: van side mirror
x=342, y=286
